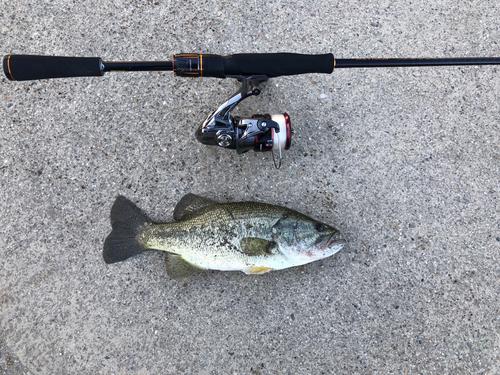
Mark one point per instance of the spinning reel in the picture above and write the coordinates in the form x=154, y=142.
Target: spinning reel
x=260, y=133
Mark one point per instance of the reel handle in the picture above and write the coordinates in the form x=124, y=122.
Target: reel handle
x=28, y=67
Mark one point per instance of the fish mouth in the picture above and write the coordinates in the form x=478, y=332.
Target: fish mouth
x=332, y=241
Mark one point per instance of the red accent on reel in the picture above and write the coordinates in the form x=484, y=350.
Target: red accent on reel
x=288, y=131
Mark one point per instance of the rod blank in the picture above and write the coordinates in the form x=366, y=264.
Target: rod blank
x=137, y=66
x=394, y=63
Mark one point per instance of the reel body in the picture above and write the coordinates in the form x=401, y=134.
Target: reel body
x=259, y=133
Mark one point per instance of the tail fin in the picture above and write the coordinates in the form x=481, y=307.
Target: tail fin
x=127, y=220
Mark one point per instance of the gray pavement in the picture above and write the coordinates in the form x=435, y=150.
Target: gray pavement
x=405, y=162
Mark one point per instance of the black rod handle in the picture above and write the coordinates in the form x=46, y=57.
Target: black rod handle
x=249, y=64
x=28, y=67
x=278, y=64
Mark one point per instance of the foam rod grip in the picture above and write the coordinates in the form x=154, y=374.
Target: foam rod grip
x=29, y=67
x=278, y=64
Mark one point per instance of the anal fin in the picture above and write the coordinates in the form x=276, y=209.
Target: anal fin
x=178, y=268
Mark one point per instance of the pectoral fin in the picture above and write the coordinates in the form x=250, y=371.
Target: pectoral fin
x=254, y=246
x=178, y=268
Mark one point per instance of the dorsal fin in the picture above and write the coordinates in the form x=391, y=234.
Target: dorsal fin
x=189, y=205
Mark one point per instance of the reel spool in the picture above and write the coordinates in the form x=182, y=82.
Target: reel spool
x=277, y=138
x=263, y=133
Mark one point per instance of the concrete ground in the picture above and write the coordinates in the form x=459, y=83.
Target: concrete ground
x=404, y=161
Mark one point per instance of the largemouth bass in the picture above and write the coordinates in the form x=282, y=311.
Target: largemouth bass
x=206, y=235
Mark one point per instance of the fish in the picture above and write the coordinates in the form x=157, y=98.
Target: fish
x=251, y=237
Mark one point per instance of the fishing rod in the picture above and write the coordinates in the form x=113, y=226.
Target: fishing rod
x=259, y=132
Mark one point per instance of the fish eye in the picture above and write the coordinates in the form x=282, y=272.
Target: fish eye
x=319, y=227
